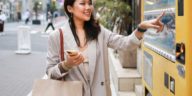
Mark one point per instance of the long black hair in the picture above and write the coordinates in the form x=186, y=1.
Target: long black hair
x=91, y=27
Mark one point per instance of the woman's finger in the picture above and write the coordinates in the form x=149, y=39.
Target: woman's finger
x=161, y=23
x=160, y=16
x=154, y=26
x=161, y=28
x=76, y=56
x=79, y=60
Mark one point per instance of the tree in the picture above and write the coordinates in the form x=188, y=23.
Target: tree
x=37, y=6
x=53, y=6
x=116, y=16
x=114, y=13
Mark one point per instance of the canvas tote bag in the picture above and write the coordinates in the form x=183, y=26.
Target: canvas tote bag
x=48, y=87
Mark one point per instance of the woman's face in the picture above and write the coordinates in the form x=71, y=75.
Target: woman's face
x=81, y=10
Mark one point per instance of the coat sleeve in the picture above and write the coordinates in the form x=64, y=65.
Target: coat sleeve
x=53, y=57
x=120, y=42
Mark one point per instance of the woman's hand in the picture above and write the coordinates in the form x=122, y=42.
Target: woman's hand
x=154, y=23
x=74, y=60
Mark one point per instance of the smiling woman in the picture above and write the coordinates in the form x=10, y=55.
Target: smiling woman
x=80, y=13
x=90, y=65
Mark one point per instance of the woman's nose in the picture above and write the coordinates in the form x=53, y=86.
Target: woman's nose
x=88, y=6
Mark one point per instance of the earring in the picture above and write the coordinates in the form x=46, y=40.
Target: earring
x=71, y=15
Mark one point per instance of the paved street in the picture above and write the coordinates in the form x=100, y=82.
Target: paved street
x=9, y=40
x=17, y=72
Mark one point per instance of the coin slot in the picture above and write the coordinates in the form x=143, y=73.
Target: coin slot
x=166, y=80
x=180, y=53
x=172, y=85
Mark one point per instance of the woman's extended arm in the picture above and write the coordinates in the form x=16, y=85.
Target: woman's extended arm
x=132, y=41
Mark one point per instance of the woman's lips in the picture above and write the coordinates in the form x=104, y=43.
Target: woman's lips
x=87, y=13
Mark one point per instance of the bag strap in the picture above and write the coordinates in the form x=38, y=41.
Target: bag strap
x=61, y=45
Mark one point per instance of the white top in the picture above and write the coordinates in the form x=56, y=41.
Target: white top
x=3, y=17
x=86, y=62
x=26, y=15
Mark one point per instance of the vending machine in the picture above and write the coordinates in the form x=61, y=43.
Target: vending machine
x=167, y=59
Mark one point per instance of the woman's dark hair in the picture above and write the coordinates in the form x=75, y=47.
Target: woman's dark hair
x=92, y=28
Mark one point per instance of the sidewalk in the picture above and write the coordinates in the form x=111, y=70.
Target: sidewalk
x=19, y=71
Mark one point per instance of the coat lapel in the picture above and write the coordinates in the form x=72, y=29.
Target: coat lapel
x=92, y=59
x=82, y=72
x=69, y=40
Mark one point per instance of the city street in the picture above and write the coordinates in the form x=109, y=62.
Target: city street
x=19, y=71
x=125, y=47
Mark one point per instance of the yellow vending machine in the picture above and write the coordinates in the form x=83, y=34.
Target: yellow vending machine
x=167, y=59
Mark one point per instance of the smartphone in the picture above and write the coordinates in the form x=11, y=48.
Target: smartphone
x=72, y=52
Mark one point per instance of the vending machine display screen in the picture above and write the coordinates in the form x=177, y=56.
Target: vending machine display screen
x=165, y=40
x=158, y=4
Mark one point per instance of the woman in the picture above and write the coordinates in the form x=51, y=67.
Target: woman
x=50, y=21
x=91, y=40
x=27, y=16
x=2, y=21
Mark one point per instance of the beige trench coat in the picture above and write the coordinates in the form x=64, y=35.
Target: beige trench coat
x=99, y=82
